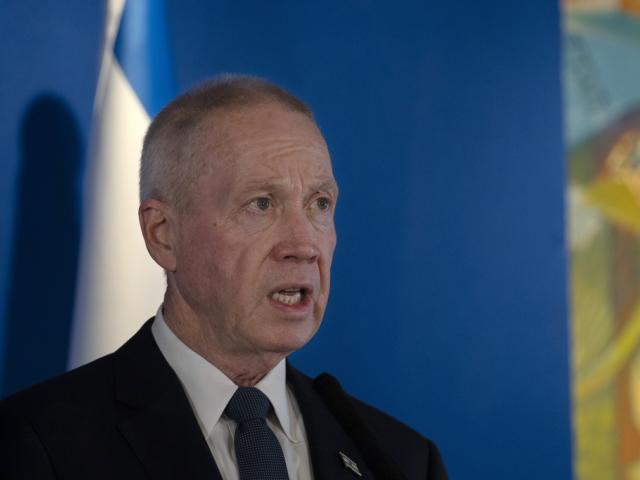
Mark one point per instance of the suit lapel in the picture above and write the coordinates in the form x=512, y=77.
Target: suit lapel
x=160, y=426
x=325, y=436
x=162, y=430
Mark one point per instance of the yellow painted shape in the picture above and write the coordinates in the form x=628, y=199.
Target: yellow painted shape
x=617, y=201
x=612, y=359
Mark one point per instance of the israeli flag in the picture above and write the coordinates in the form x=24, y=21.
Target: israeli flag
x=119, y=285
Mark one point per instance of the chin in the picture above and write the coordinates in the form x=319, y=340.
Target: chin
x=289, y=339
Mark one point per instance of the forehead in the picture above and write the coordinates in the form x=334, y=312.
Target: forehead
x=263, y=141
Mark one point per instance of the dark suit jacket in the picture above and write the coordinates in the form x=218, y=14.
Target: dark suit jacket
x=126, y=416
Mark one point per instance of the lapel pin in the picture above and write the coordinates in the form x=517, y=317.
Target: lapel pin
x=350, y=464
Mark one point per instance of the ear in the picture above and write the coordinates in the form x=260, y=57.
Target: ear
x=158, y=227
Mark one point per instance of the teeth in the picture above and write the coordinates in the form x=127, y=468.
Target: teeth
x=292, y=297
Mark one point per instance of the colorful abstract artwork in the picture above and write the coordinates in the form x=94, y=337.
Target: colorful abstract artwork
x=602, y=118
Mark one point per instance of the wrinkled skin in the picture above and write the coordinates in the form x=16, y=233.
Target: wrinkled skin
x=260, y=219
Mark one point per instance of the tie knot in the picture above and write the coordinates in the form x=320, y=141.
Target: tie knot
x=246, y=404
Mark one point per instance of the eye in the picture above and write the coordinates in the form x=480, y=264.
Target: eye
x=262, y=203
x=323, y=203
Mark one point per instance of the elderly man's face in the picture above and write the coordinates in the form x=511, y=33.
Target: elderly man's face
x=254, y=250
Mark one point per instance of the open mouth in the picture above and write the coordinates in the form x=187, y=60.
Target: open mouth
x=290, y=296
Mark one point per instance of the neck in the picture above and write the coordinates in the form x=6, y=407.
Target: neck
x=243, y=367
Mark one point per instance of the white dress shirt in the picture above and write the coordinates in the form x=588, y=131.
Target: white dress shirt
x=209, y=390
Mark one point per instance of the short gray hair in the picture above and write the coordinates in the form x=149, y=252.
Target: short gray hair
x=169, y=163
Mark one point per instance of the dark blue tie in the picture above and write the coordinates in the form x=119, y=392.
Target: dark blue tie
x=258, y=452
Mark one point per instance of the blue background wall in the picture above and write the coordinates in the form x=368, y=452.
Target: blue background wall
x=448, y=304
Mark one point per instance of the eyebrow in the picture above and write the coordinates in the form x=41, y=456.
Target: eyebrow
x=330, y=185
x=327, y=185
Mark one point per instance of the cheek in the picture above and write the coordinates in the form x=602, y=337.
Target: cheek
x=329, y=245
x=237, y=267
x=327, y=248
x=250, y=224
x=203, y=257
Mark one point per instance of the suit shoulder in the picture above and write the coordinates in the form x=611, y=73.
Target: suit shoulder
x=70, y=392
x=384, y=424
x=407, y=446
x=54, y=424
x=386, y=440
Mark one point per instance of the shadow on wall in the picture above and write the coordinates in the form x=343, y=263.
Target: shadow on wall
x=45, y=245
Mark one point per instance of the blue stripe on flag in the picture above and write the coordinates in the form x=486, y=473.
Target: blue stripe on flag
x=142, y=50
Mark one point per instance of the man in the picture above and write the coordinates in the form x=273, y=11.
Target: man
x=237, y=206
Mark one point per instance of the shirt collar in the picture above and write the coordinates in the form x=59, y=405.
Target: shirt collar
x=274, y=386
x=208, y=389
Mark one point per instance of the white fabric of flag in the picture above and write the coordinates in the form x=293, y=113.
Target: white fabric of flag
x=119, y=286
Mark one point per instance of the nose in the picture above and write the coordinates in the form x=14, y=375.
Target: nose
x=298, y=240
